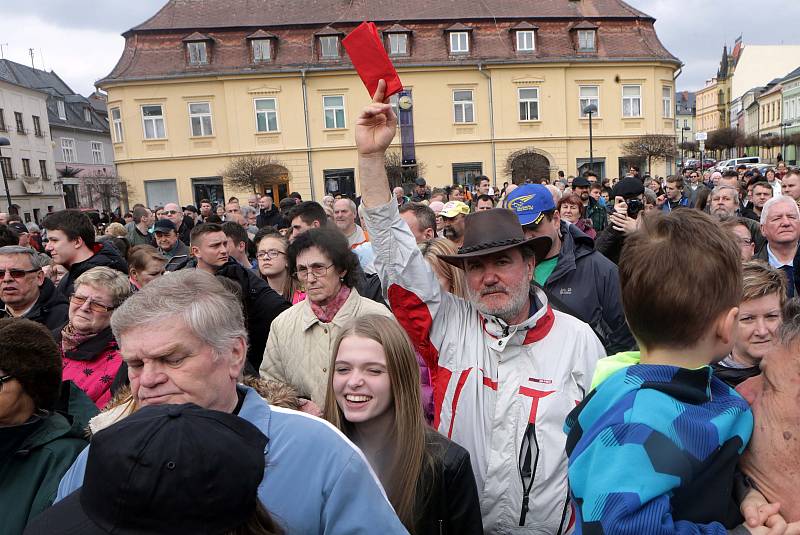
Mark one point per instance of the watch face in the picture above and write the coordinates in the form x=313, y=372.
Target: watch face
x=404, y=102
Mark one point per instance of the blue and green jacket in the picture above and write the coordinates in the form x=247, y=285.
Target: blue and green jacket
x=653, y=449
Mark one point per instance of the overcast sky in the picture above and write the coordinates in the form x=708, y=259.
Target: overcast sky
x=80, y=39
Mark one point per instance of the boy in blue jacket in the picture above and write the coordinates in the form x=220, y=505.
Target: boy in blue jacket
x=654, y=448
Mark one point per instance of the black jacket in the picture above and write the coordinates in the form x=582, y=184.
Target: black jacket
x=185, y=232
x=105, y=254
x=588, y=284
x=609, y=243
x=448, y=501
x=261, y=304
x=271, y=217
x=51, y=309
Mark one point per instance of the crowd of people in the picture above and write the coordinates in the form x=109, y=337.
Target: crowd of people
x=576, y=357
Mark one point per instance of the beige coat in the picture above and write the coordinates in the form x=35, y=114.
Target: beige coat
x=299, y=346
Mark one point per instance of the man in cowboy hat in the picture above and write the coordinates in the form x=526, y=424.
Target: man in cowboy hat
x=506, y=367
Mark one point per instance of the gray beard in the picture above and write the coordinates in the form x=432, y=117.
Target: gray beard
x=518, y=301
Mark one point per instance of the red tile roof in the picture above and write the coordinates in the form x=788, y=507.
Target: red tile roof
x=153, y=50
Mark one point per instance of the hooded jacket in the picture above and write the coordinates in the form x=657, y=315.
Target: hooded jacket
x=653, y=449
x=51, y=308
x=500, y=391
x=105, y=254
x=35, y=455
x=587, y=283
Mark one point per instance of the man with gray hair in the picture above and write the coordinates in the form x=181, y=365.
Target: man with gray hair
x=184, y=340
x=25, y=292
x=344, y=216
x=724, y=201
x=780, y=225
x=174, y=213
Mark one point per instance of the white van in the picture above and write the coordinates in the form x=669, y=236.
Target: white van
x=733, y=163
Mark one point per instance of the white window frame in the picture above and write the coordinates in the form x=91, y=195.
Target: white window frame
x=198, y=52
x=62, y=110
x=522, y=36
x=97, y=152
x=266, y=114
x=68, y=149
x=666, y=101
x=116, y=122
x=584, y=37
x=323, y=39
x=87, y=115
x=258, y=47
x=527, y=101
x=457, y=39
x=154, y=119
x=584, y=100
x=200, y=116
x=334, y=108
x=630, y=100
x=464, y=106
x=395, y=40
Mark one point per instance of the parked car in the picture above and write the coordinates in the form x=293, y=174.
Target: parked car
x=734, y=162
x=694, y=164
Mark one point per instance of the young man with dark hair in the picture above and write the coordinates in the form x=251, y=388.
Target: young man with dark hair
x=484, y=202
x=657, y=442
x=71, y=243
x=305, y=216
x=139, y=233
x=268, y=214
x=236, y=243
x=761, y=193
x=673, y=197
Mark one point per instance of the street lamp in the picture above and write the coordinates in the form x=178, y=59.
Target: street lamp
x=589, y=110
x=4, y=142
x=783, y=139
x=684, y=129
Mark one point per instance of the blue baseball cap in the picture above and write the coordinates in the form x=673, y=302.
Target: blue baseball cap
x=529, y=202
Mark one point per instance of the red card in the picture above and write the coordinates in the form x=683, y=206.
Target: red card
x=370, y=59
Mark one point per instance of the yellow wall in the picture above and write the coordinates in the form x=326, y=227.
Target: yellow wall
x=559, y=134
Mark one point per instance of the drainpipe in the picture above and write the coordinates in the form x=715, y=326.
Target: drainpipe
x=308, y=133
x=491, y=122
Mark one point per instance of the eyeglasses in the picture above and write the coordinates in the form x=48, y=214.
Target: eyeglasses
x=4, y=379
x=269, y=254
x=16, y=273
x=93, y=305
x=317, y=269
x=170, y=212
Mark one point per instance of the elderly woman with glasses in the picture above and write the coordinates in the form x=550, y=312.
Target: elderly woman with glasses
x=301, y=338
x=91, y=356
x=37, y=444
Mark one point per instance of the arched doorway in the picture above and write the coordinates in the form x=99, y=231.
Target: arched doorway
x=275, y=182
x=527, y=165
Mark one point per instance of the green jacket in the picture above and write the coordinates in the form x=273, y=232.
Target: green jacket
x=598, y=214
x=33, y=458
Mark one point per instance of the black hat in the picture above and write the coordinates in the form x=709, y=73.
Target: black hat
x=190, y=208
x=19, y=227
x=627, y=187
x=166, y=469
x=164, y=225
x=580, y=182
x=491, y=231
x=420, y=182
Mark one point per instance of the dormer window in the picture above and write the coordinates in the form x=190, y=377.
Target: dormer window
x=524, y=37
x=87, y=115
x=197, y=48
x=397, y=40
x=586, y=40
x=459, y=42
x=262, y=46
x=329, y=46
x=62, y=110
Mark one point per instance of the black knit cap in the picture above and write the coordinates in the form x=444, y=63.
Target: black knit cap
x=29, y=353
x=166, y=469
x=627, y=187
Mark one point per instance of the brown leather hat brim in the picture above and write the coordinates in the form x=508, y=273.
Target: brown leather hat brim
x=540, y=245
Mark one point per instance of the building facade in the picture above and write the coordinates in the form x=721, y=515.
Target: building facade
x=81, y=141
x=27, y=164
x=791, y=116
x=684, y=119
x=196, y=88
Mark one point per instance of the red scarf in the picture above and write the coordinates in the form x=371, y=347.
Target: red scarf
x=326, y=313
x=70, y=339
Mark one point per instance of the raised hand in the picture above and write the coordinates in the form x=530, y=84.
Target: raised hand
x=376, y=125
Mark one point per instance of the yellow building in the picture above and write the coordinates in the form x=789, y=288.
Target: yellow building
x=769, y=120
x=500, y=94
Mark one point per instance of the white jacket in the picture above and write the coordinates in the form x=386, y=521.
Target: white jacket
x=501, y=391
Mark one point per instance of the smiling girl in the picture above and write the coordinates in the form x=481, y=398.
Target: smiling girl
x=374, y=398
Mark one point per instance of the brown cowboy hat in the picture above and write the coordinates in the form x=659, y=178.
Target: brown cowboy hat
x=491, y=231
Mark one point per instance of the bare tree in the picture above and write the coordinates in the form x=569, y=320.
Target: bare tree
x=69, y=172
x=253, y=172
x=399, y=174
x=651, y=147
x=106, y=191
